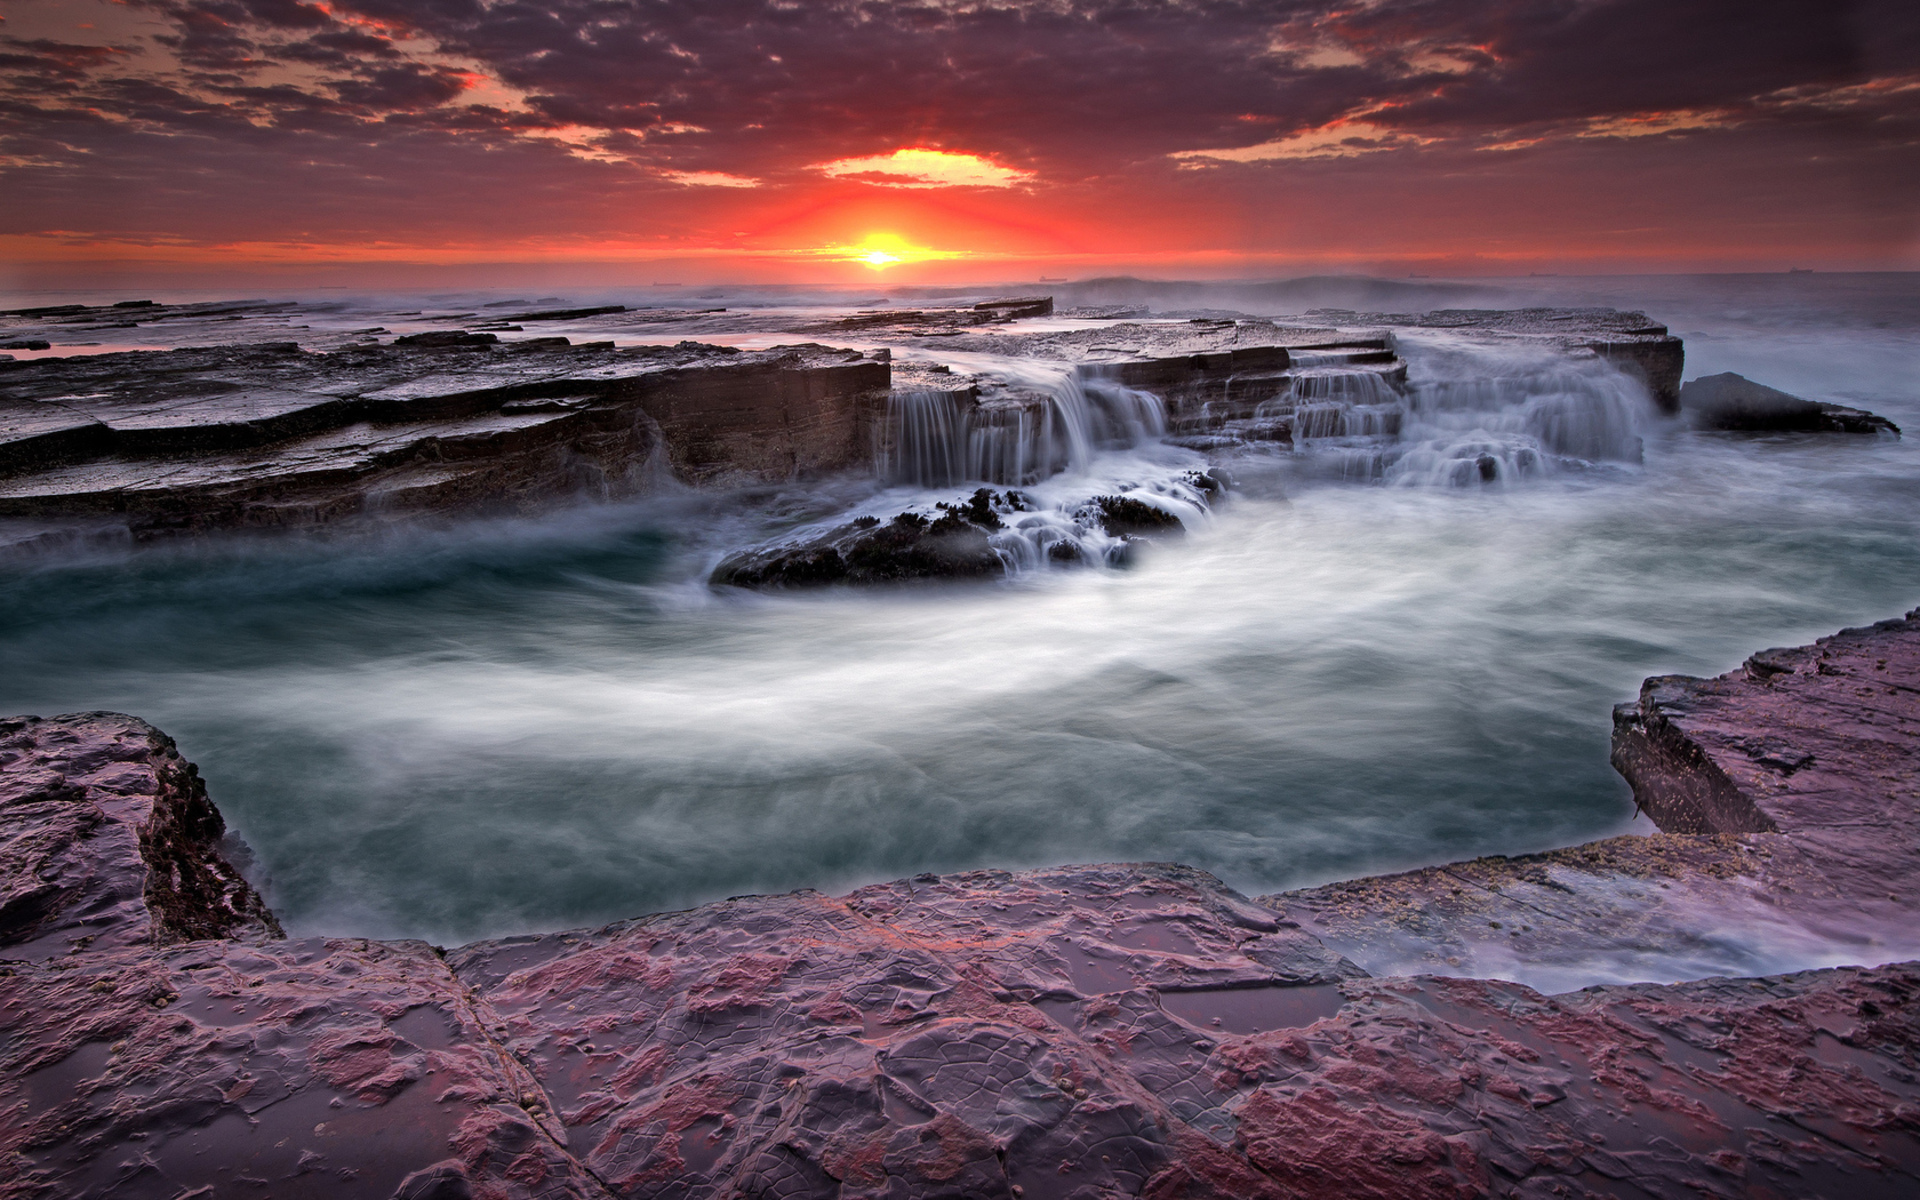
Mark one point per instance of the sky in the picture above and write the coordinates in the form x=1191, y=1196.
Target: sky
x=794, y=141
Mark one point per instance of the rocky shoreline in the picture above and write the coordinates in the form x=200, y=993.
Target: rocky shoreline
x=1130, y=1029
x=320, y=430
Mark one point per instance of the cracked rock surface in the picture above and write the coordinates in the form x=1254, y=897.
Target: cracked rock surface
x=1126, y=1029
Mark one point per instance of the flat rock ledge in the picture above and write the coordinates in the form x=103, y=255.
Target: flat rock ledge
x=1126, y=1029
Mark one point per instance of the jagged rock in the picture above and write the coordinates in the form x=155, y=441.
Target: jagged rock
x=910, y=547
x=1733, y=403
x=1121, y=515
x=1132, y=1029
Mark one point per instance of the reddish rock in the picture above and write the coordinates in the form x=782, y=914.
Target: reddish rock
x=1785, y=789
x=1132, y=1029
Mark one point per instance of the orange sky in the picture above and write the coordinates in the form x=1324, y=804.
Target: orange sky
x=752, y=139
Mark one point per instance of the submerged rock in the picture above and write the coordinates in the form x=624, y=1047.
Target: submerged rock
x=1733, y=403
x=910, y=547
x=1121, y=515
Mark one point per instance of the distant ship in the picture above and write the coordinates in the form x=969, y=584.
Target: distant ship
x=1799, y=270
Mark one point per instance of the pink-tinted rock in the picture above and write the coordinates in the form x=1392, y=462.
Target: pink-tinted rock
x=1786, y=789
x=1132, y=1029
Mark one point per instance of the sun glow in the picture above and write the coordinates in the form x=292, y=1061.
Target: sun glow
x=882, y=250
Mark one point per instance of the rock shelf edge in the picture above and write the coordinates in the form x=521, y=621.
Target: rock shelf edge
x=1134, y=1029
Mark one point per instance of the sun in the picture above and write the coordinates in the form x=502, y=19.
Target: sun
x=877, y=251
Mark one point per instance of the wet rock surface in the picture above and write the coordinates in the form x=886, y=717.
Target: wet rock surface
x=1128, y=1029
x=1735, y=404
x=271, y=435
x=954, y=544
x=288, y=416
x=961, y=540
x=1786, y=790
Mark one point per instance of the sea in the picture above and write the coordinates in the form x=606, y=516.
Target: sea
x=1361, y=659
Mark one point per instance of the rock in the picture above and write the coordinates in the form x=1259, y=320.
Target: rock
x=1782, y=788
x=1629, y=341
x=910, y=547
x=270, y=436
x=1130, y=1029
x=572, y=314
x=1732, y=403
x=1014, y=308
x=443, y=338
x=110, y=840
x=1121, y=515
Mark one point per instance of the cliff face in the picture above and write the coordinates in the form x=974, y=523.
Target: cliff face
x=1132, y=1029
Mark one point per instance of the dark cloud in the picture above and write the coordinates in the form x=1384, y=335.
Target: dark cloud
x=1087, y=94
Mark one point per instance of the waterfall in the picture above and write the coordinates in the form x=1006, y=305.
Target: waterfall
x=1043, y=421
x=927, y=442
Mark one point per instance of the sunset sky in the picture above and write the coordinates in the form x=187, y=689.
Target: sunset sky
x=949, y=139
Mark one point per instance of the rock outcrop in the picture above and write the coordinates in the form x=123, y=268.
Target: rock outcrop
x=270, y=435
x=1785, y=791
x=1735, y=404
x=1132, y=1029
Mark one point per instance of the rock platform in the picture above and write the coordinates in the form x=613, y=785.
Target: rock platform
x=271, y=435
x=279, y=415
x=1126, y=1029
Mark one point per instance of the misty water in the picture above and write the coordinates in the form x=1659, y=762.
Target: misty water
x=505, y=726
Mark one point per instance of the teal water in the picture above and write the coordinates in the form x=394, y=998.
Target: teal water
x=500, y=727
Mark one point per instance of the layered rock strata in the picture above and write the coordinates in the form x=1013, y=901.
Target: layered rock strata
x=272, y=435
x=1214, y=375
x=1133, y=1029
x=447, y=418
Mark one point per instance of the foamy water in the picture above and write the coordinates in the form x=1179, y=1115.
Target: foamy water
x=530, y=725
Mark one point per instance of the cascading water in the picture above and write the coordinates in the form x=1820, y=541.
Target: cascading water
x=926, y=440
x=1471, y=416
x=1059, y=437
x=1040, y=423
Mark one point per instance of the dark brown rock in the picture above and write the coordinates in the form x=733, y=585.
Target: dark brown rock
x=1016, y=307
x=267, y=435
x=1120, y=515
x=1733, y=403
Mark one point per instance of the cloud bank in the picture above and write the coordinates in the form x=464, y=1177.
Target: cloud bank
x=1487, y=128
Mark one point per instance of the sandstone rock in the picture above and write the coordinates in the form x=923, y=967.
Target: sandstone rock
x=1130, y=1029
x=1736, y=404
x=268, y=435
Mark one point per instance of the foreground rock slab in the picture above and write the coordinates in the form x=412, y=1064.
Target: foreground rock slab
x=1129, y=1029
